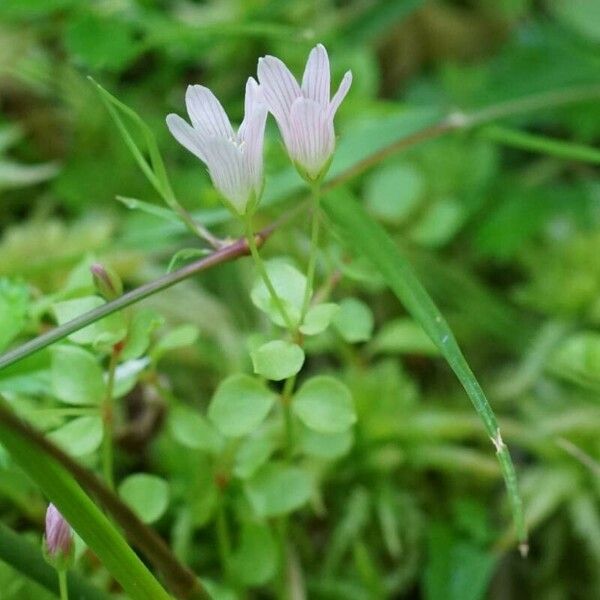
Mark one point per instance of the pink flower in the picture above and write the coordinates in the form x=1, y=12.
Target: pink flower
x=234, y=160
x=59, y=537
x=304, y=113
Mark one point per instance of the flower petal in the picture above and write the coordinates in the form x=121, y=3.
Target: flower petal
x=252, y=132
x=228, y=172
x=206, y=113
x=340, y=94
x=279, y=89
x=186, y=135
x=313, y=138
x=316, y=79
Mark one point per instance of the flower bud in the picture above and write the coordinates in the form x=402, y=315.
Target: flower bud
x=58, y=540
x=107, y=282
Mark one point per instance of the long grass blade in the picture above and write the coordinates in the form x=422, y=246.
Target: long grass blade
x=367, y=238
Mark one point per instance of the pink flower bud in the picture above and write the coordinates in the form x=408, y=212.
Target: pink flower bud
x=107, y=282
x=59, y=537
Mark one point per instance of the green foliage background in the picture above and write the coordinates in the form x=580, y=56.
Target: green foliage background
x=501, y=225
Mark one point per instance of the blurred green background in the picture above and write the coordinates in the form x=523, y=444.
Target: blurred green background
x=504, y=232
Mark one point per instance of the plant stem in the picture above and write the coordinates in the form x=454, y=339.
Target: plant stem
x=314, y=247
x=108, y=421
x=286, y=397
x=250, y=238
x=223, y=539
x=62, y=585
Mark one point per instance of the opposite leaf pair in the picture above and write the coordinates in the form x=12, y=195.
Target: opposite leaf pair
x=303, y=113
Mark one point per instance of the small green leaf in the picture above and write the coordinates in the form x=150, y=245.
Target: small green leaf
x=106, y=331
x=192, y=430
x=76, y=377
x=185, y=255
x=289, y=284
x=278, y=489
x=252, y=454
x=318, y=318
x=354, y=321
x=185, y=335
x=255, y=561
x=147, y=495
x=325, y=445
x=127, y=375
x=239, y=405
x=325, y=405
x=80, y=436
x=140, y=331
x=278, y=360
x=151, y=209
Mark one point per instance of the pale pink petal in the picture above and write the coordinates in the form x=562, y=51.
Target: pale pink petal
x=316, y=79
x=313, y=139
x=206, y=113
x=279, y=89
x=252, y=132
x=253, y=101
x=186, y=135
x=340, y=94
x=228, y=172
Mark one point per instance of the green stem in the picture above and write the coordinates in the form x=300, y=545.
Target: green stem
x=314, y=247
x=62, y=585
x=223, y=539
x=108, y=421
x=251, y=239
x=286, y=398
x=542, y=144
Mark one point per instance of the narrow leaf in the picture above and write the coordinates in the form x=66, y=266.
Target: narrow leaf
x=367, y=238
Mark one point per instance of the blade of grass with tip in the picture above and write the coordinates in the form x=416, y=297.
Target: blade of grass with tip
x=366, y=237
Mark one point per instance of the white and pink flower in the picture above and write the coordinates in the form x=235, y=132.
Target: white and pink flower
x=304, y=113
x=234, y=160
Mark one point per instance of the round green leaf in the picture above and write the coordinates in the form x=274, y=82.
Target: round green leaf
x=80, y=436
x=318, y=318
x=289, y=283
x=76, y=376
x=354, y=321
x=278, y=489
x=239, y=405
x=147, y=495
x=325, y=445
x=278, y=360
x=325, y=405
x=252, y=454
x=192, y=430
x=108, y=330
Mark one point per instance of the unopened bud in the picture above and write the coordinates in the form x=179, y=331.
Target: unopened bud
x=58, y=541
x=107, y=282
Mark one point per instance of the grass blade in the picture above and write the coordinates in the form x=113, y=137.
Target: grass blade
x=84, y=516
x=26, y=557
x=367, y=238
x=541, y=144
